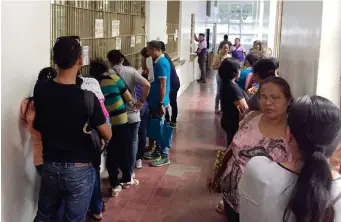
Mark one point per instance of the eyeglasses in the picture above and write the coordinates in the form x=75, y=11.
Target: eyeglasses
x=271, y=98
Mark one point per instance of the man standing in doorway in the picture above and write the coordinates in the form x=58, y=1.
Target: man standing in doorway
x=158, y=98
x=225, y=41
x=202, y=56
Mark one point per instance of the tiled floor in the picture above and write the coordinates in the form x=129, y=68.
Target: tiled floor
x=178, y=193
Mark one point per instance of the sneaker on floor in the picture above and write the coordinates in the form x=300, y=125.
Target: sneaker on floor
x=133, y=175
x=152, y=155
x=138, y=164
x=160, y=162
x=132, y=183
x=115, y=191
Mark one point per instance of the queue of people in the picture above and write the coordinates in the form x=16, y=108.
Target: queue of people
x=73, y=119
x=282, y=160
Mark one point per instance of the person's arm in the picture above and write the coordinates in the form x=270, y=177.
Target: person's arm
x=239, y=101
x=145, y=87
x=162, y=70
x=196, y=38
x=216, y=62
x=99, y=121
x=248, y=81
x=124, y=90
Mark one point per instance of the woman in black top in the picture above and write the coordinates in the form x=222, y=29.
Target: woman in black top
x=233, y=99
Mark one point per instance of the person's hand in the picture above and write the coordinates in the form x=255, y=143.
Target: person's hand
x=138, y=105
x=335, y=160
x=102, y=143
x=162, y=110
x=251, y=91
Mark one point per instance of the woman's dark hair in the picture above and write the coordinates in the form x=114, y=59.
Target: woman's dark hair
x=315, y=123
x=97, y=68
x=115, y=57
x=229, y=69
x=252, y=58
x=264, y=68
x=44, y=75
x=237, y=39
x=163, y=46
x=280, y=82
x=259, y=43
x=144, y=52
x=275, y=61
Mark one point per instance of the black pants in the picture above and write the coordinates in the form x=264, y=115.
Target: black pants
x=231, y=215
x=173, y=95
x=118, y=155
x=230, y=127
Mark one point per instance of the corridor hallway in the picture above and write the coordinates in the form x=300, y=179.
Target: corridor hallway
x=177, y=192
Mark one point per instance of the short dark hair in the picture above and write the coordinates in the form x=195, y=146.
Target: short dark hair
x=144, y=52
x=281, y=83
x=163, y=46
x=275, y=61
x=66, y=52
x=47, y=73
x=154, y=44
x=97, y=68
x=226, y=37
x=252, y=58
x=264, y=68
x=202, y=34
x=114, y=57
x=229, y=69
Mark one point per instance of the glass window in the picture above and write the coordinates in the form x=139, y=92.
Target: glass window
x=235, y=18
x=248, y=29
x=233, y=37
x=222, y=28
x=234, y=29
x=247, y=18
x=235, y=8
x=248, y=39
x=247, y=8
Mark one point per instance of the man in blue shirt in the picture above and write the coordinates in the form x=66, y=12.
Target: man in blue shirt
x=158, y=97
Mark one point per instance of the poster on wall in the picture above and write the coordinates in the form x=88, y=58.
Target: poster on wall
x=132, y=41
x=99, y=29
x=138, y=39
x=118, y=43
x=85, y=55
x=115, y=28
x=175, y=34
x=150, y=67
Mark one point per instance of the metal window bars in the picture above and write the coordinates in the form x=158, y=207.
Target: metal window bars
x=173, y=14
x=78, y=18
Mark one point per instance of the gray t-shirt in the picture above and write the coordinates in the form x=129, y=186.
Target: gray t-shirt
x=265, y=189
x=253, y=103
x=131, y=78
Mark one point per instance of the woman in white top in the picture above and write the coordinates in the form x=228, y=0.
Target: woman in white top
x=307, y=188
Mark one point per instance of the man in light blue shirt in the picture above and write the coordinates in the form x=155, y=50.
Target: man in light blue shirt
x=158, y=97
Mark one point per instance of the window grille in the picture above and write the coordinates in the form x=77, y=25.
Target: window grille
x=173, y=14
x=79, y=17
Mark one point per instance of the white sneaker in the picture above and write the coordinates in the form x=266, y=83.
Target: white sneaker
x=133, y=176
x=138, y=164
x=132, y=183
x=116, y=190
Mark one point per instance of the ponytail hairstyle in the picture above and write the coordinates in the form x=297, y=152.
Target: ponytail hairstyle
x=115, y=57
x=98, y=68
x=315, y=123
x=44, y=75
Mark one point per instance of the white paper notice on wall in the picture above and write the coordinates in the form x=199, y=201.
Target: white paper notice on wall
x=175, y=34
x=132, y=41
x=115, y=28
x=138, y=39
x=99, y=30
x=85, y=55
x=118, y=43
x=166, y=39
x=149, y=64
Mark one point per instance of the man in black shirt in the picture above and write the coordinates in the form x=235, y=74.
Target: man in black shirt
x=61, y=116
x=175, y=86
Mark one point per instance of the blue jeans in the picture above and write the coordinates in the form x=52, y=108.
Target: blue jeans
x=69, y=183
x=164, y=151
x=133, y=129
x=96, y=204
x=144, y=114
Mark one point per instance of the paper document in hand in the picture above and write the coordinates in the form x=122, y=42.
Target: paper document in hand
x=149, y=64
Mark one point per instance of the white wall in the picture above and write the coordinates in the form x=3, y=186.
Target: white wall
x=300, y=45
x=156, y=18
x=329, y=70
x=25, y=43
x=311, y=48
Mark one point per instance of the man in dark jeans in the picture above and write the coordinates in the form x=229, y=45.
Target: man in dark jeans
x=174, y=88
x=61, y=117
x=202, y=56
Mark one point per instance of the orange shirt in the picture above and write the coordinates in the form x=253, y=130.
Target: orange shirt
x=36, y=137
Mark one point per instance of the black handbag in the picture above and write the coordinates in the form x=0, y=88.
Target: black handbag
x=89, y=99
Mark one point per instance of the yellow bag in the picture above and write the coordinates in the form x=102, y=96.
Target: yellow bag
x=220, y=164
